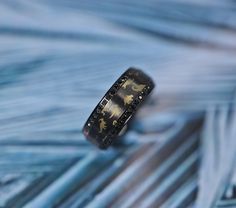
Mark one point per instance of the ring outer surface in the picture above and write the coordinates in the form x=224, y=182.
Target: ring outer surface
x=117, y=106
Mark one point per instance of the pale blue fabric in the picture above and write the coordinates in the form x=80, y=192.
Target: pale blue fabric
x=58, y=58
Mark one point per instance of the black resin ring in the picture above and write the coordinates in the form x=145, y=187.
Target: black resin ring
x=117, y=106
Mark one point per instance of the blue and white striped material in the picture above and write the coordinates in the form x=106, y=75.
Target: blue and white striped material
x=58, y=58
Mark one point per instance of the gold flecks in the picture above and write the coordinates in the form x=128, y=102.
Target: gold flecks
x=138, y=88
x=128, y=99
x=114, y=123
x=102, y=125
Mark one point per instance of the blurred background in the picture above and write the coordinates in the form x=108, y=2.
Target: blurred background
x=58, y=58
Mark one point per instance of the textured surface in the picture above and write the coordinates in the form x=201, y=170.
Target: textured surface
x=57, y=59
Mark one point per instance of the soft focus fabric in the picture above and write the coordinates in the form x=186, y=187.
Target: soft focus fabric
x=58, y=58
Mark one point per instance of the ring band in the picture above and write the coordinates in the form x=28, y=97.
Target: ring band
x=117, y=106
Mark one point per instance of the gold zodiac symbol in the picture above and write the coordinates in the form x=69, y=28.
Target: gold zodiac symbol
x=138, y=88
x=116, y=111
x=102, y=125
x=113, y=109
x=128, y=99
x=128, y=82
x=135, y=87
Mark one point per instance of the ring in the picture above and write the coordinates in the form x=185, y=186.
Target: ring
x=111, y=115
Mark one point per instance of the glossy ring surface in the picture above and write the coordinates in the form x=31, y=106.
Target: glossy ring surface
x=117, y=106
